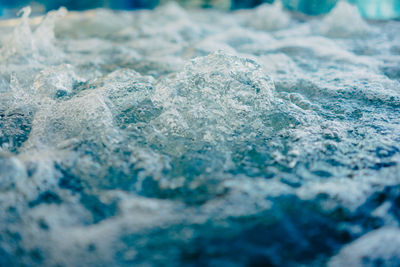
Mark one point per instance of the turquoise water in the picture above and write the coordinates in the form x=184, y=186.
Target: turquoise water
x=377, y=9
x=371, y=9
x=199, y=138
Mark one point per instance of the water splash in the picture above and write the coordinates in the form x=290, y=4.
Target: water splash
x=175, y=137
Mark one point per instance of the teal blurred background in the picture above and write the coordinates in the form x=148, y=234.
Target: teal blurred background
x=372, y=9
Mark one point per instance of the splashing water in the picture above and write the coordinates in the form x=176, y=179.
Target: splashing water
x=198, y=137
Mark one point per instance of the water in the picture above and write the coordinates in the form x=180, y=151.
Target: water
x=371, y=9
x=378, y=9
x=311, y=7
x=185, y=138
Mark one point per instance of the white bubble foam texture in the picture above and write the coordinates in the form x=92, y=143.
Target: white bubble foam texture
x=174, y=137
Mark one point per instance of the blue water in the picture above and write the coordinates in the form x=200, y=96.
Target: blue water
x=170, y=137
x=372, y=9
x=377, y=9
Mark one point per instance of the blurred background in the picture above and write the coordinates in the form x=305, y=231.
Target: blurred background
x=371, y=9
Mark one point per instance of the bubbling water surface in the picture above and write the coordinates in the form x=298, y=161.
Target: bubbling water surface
x=179, y=137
